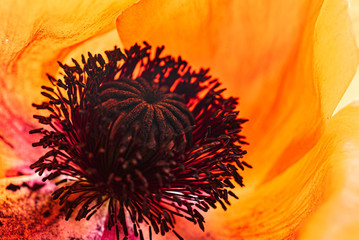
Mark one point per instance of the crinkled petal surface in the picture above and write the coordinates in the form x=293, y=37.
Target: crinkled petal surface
x=34, y=35
x=338, y=217
x=289, y=62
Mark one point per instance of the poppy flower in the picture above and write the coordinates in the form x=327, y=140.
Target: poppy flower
x=289, y=63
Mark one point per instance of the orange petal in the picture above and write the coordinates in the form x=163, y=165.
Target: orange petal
x=290, y=63
x=352, y=92
x=320, y=192
x=27, y=214
x=332, y=58
x=33, y=36
x=338, y=217
x=97, y=45
x=354, y=13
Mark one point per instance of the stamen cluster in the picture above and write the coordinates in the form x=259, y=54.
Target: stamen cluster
x=145, y=135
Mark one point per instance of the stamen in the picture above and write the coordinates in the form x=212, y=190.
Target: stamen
x=145, y=134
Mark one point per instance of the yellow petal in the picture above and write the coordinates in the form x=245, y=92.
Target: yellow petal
x=352, y=92
x=32, y=215
x=34, y=35
x=289, y=62
x=354, y=13
x=337, y=218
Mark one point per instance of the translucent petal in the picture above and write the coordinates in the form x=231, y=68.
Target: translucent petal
x=289, y=62
x=352, y=92
x=338, y=217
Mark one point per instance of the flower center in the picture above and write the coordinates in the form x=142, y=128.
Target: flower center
x=147, y=135
x=152, y=97
x=162, y=115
